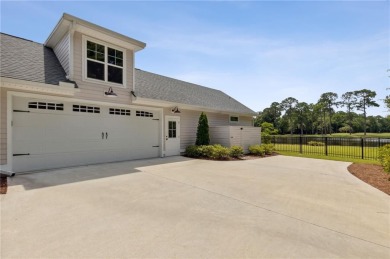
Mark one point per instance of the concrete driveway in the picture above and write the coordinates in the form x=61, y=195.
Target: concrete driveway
x=181, y=208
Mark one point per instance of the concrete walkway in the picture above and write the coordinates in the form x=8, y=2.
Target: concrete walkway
x=275, y=207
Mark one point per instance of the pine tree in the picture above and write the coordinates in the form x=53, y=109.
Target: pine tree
x=202, y=134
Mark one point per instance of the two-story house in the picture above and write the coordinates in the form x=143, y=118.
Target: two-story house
x=77, y=99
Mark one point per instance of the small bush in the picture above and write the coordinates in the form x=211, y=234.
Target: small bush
x=219, y=152
x=257, y=150
x=315, y=143
x=193, y=151
x=206, y=151
x=384, y=157
x=236, y=151
x=268, y=148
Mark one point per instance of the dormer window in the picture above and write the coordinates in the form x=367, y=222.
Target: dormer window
x=104, y=63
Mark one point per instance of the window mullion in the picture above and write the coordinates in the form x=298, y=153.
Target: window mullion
x=105, y=63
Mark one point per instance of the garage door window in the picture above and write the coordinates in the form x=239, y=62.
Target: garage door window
x=46, y=106
x=115, y=111
x=84, y=108
x=143, y=114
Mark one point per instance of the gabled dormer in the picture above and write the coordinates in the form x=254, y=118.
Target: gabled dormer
x=93, y=55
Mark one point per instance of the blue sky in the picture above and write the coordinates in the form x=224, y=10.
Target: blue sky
x=257, y=52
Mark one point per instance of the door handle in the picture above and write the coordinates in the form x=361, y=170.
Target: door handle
x=166, y=137
x=102, y=135
x=106, y=135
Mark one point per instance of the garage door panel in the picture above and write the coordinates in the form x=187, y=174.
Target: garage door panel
x=65, y=138
x=30, y=147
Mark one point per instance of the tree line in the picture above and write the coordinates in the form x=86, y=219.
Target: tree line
x=295, y=117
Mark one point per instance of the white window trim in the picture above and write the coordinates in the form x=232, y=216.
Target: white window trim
x=106, y=45
x=230, y=118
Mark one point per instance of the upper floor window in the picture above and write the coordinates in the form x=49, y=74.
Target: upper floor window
x=104, y=63
x=233, y=118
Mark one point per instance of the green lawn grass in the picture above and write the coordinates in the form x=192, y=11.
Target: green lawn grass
x=344, y=135
x=334, y=158
x=342, y=153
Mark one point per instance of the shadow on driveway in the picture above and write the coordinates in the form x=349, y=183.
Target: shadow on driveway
x=54, y=177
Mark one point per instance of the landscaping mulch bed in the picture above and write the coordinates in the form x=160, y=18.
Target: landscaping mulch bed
x=374, y=175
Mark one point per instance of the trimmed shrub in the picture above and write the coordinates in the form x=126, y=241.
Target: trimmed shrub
x=268, y=148
x=257, y=150
x=206, y=150
x=236, y=151
x=219, y=152
x=202, y=133
x=315, y=143
x=384, y=157
x=193, y=151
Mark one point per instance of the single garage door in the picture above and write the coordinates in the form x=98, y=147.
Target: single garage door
x=53, y=134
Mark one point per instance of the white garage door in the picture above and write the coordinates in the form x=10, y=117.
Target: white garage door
x=52, y=134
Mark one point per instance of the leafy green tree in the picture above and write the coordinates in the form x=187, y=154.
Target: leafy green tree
x=301, y=115
x=288, y=106
x=202, y=134
x=267, y=129
x=365, y=99
x=349, y=101
x=320, y=109
x=328, y=101
x=270, y=114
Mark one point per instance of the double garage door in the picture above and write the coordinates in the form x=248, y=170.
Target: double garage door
x=53, y=134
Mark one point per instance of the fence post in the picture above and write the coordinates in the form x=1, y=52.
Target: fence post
x=326, y=146
x=300, y=144
x=362, y=145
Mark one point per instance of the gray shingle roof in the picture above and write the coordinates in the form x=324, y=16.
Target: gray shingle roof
x=26, y=60
x=153, y=86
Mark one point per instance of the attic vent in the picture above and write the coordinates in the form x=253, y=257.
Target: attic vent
x=46, y=106
x=143, y=114
x=116, y=111
x=88, y=109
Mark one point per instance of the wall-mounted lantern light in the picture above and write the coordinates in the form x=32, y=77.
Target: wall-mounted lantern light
x=110, y=93
x=175, y=110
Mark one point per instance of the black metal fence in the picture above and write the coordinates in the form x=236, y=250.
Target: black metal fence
x=361, y=148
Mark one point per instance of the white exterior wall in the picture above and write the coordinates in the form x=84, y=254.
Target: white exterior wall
x=3, y=126
x=189, y=123
x=62, y=51
x=228, y=136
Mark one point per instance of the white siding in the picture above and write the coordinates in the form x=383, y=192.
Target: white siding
x=220, y=135
x=62, y=51
x=3, y=126
x=95, y=91
x=189, y=123
x=228, y=136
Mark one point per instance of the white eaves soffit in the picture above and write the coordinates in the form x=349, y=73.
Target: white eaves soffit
x=69, y=23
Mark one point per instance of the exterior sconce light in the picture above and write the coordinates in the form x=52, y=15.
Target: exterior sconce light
x=110, y=93
x=175, y=110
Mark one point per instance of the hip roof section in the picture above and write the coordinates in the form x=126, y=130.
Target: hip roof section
x=153, y=86
x=27, y=60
